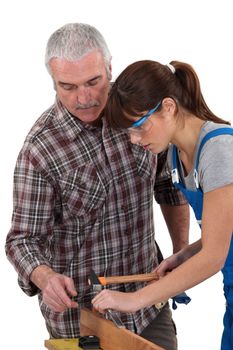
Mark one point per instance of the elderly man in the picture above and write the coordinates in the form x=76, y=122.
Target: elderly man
x=83, y=196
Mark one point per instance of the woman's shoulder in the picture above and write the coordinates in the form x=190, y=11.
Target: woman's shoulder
x=210, y=126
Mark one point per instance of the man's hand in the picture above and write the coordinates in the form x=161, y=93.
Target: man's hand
x=168, y=264
x=56, y=288
x=178, y=258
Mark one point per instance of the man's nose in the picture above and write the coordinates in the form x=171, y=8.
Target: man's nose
x=135, y=138
x=83, y=95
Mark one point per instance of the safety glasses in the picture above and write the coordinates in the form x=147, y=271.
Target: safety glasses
x=140, y=126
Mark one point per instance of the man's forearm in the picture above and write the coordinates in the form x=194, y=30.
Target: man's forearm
x=177, y=220
x=40, y=274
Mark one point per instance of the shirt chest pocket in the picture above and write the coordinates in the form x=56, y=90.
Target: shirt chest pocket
x=83, y=191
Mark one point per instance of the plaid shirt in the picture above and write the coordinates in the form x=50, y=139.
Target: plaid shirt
x=83, y=198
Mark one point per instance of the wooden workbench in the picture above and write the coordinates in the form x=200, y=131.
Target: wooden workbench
x=111, y=337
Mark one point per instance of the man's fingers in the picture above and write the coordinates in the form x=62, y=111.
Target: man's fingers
x=69, y=283
x=53, y=305
x=61, y=294
x=57, y=292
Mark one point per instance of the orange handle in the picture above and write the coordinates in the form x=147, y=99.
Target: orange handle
x=145, y=277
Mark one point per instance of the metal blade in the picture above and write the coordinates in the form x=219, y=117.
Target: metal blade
x=97, y=287
x=115, y=318
x=94, y=281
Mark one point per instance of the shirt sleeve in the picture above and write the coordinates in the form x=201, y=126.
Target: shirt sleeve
x=164, y=190
x=32, y=221
x=216, y=163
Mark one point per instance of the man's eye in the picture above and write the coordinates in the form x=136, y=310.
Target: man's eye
x=93, y=82
x=68, y=87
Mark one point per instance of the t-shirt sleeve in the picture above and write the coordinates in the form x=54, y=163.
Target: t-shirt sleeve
x=216, y=163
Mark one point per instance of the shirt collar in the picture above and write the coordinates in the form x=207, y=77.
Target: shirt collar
x=71, y=124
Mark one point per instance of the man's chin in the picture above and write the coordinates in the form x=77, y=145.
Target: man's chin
x=98, y=120
x=86, y=117
x=89, y=118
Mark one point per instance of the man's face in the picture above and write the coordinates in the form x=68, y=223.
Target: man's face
x=82, y=86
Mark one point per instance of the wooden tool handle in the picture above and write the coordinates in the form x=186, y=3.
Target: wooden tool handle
x=145, y=277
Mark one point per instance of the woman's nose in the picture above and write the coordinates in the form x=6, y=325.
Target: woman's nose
x=135, y=138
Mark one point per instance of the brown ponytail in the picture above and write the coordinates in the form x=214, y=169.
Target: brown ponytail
x=191, y=97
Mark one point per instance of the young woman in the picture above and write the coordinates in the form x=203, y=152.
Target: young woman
x=162, y=106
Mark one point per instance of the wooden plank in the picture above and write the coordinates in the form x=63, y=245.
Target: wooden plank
x=111, y=337
x=62, y=344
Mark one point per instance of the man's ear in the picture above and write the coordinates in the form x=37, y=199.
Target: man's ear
x=169, y=105
x=110, y=71
x=54, y=85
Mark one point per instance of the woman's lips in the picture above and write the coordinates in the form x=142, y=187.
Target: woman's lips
x=146, y=147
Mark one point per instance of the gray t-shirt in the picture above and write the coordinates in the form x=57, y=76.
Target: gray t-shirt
x=215, y=167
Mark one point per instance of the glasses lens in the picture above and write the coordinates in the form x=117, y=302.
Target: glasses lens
x=145, y=127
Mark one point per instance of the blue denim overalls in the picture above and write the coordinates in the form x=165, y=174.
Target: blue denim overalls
x=195, y=199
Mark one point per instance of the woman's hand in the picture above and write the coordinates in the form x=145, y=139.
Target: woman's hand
x=119, y=301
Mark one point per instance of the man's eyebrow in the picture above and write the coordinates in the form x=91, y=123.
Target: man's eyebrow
x=72, y=84
x=64, y=83
x=96, y=77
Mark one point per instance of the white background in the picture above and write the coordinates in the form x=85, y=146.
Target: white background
x=198, y=32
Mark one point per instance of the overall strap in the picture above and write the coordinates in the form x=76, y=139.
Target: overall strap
x=174, y=171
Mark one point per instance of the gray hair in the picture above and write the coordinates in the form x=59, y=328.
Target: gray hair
x=74, y=40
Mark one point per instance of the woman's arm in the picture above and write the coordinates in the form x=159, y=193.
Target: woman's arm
x=217, y=227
